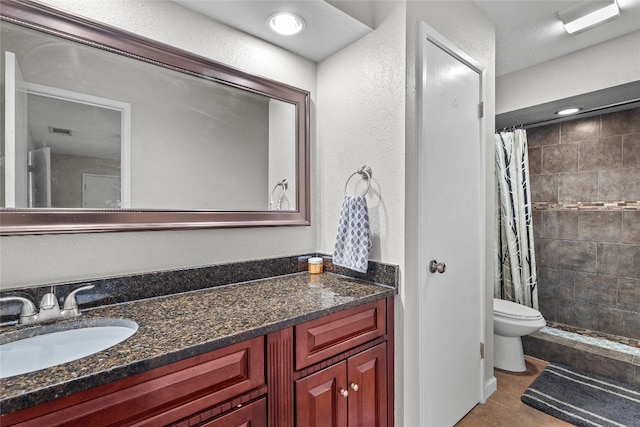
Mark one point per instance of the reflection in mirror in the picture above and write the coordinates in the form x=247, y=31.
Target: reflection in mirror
x=151, y=137
x=195, y=144
x=77, y=153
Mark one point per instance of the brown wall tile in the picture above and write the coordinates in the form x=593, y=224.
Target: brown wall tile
x=596, y=287
x=588, y=261
x=545, y=252
x=560, y=225
x=631, y=329
x=621, y=122
x=577, y=256
x=578, y=187
x=600, y=226
x=629, y=294
x=580, y=129
x=560, y=158
x=543, y=135
x=565, y=311
x=535, y=160
x=600, y=154
x=544, y=188
x=547, y=306
x=631, y=227
x=619, y=260
x=619, y=184
x=631, y=151
x=585, y=316
x=609, y=320
x=553, y=282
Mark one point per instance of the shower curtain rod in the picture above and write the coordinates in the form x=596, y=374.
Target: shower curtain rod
x=590, y=112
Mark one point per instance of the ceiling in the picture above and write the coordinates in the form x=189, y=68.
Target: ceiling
x=327, y=30
x=529, y=32
x=95, y=130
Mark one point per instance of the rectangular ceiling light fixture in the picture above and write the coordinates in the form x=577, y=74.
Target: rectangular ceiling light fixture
x=588, y=14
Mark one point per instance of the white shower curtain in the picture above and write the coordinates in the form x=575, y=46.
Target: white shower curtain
x=515, y=261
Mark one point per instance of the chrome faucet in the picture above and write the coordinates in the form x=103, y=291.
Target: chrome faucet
x=49, y=307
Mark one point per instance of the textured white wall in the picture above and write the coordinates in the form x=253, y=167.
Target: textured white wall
x=608, y=64
x=467, y=27
x=361, y=121
x=367, y=115
x=31, y=260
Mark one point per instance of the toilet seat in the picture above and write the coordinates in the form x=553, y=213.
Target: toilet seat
x=514, y=310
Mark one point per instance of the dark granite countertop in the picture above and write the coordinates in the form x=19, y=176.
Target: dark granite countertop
x=175, y=327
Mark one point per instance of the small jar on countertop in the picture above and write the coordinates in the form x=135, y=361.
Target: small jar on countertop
x=314, y=265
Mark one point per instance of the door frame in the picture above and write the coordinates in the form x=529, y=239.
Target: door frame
x=429, y=35
x=125, y=127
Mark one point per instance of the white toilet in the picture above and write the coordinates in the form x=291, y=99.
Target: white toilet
x=511, y=321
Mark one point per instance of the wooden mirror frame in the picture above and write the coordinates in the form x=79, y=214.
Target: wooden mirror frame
x=72, y=27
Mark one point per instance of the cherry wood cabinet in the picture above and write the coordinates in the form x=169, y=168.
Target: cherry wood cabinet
x=336, y=370
x=252, y=415
x=343, y=374
x=322, y=338
x=160, y=396
x=321, y=398
x=350, y=393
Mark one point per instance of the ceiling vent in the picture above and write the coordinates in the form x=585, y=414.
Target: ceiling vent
x=60, y=131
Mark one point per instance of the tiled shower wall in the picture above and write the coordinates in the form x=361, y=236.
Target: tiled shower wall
x=585, y=185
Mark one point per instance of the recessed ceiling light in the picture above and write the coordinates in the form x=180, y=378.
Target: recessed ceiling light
x=588, y=14
x=568, y=111
x=286, y=23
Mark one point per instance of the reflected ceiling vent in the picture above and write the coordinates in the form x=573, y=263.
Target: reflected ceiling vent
x=60, y=131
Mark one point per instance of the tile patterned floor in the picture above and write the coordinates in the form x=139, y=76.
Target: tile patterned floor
x=504, y=408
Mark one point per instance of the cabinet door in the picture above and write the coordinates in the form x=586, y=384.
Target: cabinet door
x=321, y=400
x=367, y=376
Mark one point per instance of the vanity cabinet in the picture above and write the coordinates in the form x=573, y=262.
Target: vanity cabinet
x=349, y=393
x=343, y=370
x=336, y=370
x=191, y=389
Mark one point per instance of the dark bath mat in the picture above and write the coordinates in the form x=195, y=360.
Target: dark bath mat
x=584, y=399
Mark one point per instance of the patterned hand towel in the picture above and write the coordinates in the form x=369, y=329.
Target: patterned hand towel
x=354, y=236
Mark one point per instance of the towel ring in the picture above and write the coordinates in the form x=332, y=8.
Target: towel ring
x=365, y=172
x=284, y=184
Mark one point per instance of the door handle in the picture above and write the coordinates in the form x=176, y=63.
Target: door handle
x=435, y=266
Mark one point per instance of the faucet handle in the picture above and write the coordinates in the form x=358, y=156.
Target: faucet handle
x=70, y=306
x=49, y=301
x=28, y=312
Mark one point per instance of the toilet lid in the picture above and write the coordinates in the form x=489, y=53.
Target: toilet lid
x=512, y=309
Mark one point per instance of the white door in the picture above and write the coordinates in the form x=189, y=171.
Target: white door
x=40, y=178
x=100, y=191
x=451, y=222
x=16, y=135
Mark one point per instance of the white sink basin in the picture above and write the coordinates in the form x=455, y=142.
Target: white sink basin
x=51, y=346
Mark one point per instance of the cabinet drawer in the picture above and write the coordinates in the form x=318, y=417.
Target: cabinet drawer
x=252, y=415
x=160, y=396
x=325, y=337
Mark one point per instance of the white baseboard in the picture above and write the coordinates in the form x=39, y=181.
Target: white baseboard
x=490, y=386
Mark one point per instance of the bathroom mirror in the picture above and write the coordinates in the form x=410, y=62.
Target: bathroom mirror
x=108, y=131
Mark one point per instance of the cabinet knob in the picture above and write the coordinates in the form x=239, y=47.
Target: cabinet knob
x=344, y=392
x=354, y=386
